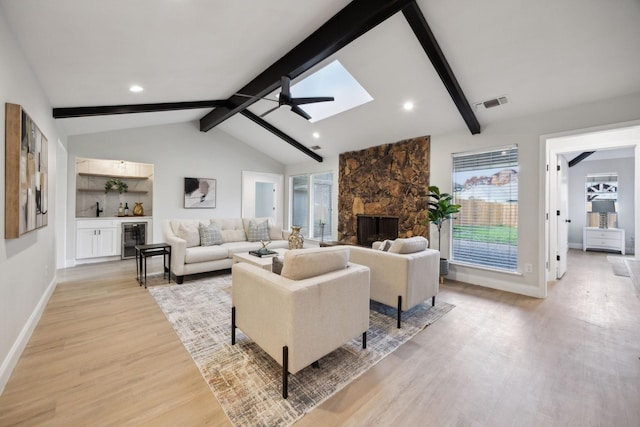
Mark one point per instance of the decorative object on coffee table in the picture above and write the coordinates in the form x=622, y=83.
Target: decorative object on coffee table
x=296, y=240
x=138, y=210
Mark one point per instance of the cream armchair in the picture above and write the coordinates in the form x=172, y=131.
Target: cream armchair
x=318, y=303
x=404, y=276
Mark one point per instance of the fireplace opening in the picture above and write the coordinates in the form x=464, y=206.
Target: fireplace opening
x=372, y=228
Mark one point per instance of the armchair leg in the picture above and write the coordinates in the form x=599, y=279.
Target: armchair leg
x=285, y=371
x=399, y=310
x=433, y=301
x=233, y=325
x=364, y=339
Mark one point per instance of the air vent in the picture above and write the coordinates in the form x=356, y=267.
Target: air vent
x=491, y=103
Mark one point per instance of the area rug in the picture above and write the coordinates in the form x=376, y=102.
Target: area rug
x=246, y=381
x=619, y=266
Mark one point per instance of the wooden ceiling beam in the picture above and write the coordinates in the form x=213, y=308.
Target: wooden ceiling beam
x=580, y=157
x=351, y=22
x=418, y=24
x=277, y=132
x=105, y=110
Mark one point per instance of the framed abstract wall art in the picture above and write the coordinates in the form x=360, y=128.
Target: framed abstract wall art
x=199, y=193
x=26, y=168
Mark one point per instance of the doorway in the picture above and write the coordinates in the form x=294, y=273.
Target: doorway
x=262, y=196
x=621, y=136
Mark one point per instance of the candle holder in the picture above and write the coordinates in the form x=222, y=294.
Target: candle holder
x=322, y=224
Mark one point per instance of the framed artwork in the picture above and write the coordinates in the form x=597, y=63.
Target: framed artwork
x=199, y=193
x=26, y=157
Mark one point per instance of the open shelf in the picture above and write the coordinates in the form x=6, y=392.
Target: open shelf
x=112, y=176
x=101, y=190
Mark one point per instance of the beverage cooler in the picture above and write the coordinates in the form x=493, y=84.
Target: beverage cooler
x=133, y=233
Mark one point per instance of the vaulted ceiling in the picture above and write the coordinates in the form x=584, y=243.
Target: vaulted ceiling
x=542, y=55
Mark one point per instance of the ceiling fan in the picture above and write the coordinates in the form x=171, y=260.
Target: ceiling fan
x=286, y=99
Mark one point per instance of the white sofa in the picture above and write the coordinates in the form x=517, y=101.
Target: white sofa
x=403, y=276
x=319, y=302
x=189, y=256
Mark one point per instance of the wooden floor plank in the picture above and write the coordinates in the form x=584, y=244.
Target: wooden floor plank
x=104, y=354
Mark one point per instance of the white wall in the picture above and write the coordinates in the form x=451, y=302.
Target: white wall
x=176, y=151
x=27, y=264
x=624, y=167
x=526, y=133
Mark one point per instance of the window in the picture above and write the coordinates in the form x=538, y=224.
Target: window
x=311, y=198
x=485, y=231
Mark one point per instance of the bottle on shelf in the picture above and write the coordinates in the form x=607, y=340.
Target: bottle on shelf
x=120, y=210
x=126, y=209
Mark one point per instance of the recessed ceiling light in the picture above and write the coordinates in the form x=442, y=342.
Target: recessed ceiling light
x=316, y=135
x=408, y=106
x=136, y=89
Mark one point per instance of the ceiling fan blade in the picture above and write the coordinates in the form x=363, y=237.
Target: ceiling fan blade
x=311, y=100
x=299, y=111
x=285, y=82
x=270, y=111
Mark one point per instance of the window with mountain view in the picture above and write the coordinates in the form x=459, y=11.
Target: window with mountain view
x=485, y=231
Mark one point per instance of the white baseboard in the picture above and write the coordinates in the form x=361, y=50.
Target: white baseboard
x=10, y=362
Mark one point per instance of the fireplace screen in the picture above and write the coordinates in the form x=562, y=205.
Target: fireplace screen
x=372, y=228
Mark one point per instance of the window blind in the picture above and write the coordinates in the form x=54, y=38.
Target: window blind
x=485, y=231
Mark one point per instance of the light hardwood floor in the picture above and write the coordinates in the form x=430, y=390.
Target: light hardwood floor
x=104, y=354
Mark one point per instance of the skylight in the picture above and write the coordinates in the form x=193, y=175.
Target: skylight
x=331, y=80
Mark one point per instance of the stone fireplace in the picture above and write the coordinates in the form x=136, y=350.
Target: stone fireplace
x=386, y=181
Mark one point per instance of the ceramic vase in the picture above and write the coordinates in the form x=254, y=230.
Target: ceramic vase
x=296, y=240
x=138, y=210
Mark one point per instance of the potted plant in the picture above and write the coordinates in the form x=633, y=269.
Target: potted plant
x=440, y=210
x=115, y=183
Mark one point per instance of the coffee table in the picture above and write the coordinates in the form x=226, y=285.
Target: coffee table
x=263, y=262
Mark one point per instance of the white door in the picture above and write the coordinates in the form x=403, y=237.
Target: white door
x=262, y=196
x=563, y=217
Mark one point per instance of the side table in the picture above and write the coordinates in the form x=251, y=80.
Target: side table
x=146, y=251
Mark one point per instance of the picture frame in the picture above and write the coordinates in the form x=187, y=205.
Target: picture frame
x=26, y=168
x=199, y=193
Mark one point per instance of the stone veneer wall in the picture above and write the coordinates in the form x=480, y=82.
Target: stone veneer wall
x=391, y=180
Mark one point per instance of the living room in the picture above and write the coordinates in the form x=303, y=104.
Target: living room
x=603, y=98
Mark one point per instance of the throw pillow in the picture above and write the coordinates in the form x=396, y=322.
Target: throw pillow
x=275, y=231
x=385, y=245
x=189, y=233
x=210, y=235
x=409, y=246
x=258, y=231
x=276, y=267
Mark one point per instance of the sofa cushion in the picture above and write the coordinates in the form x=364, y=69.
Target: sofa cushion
x=231, y=229
x=210, y=235
x=304, y=263
x=189, y=232
x=244, y=246
x=258, y=230
x=409, y=245
x=205, y=253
